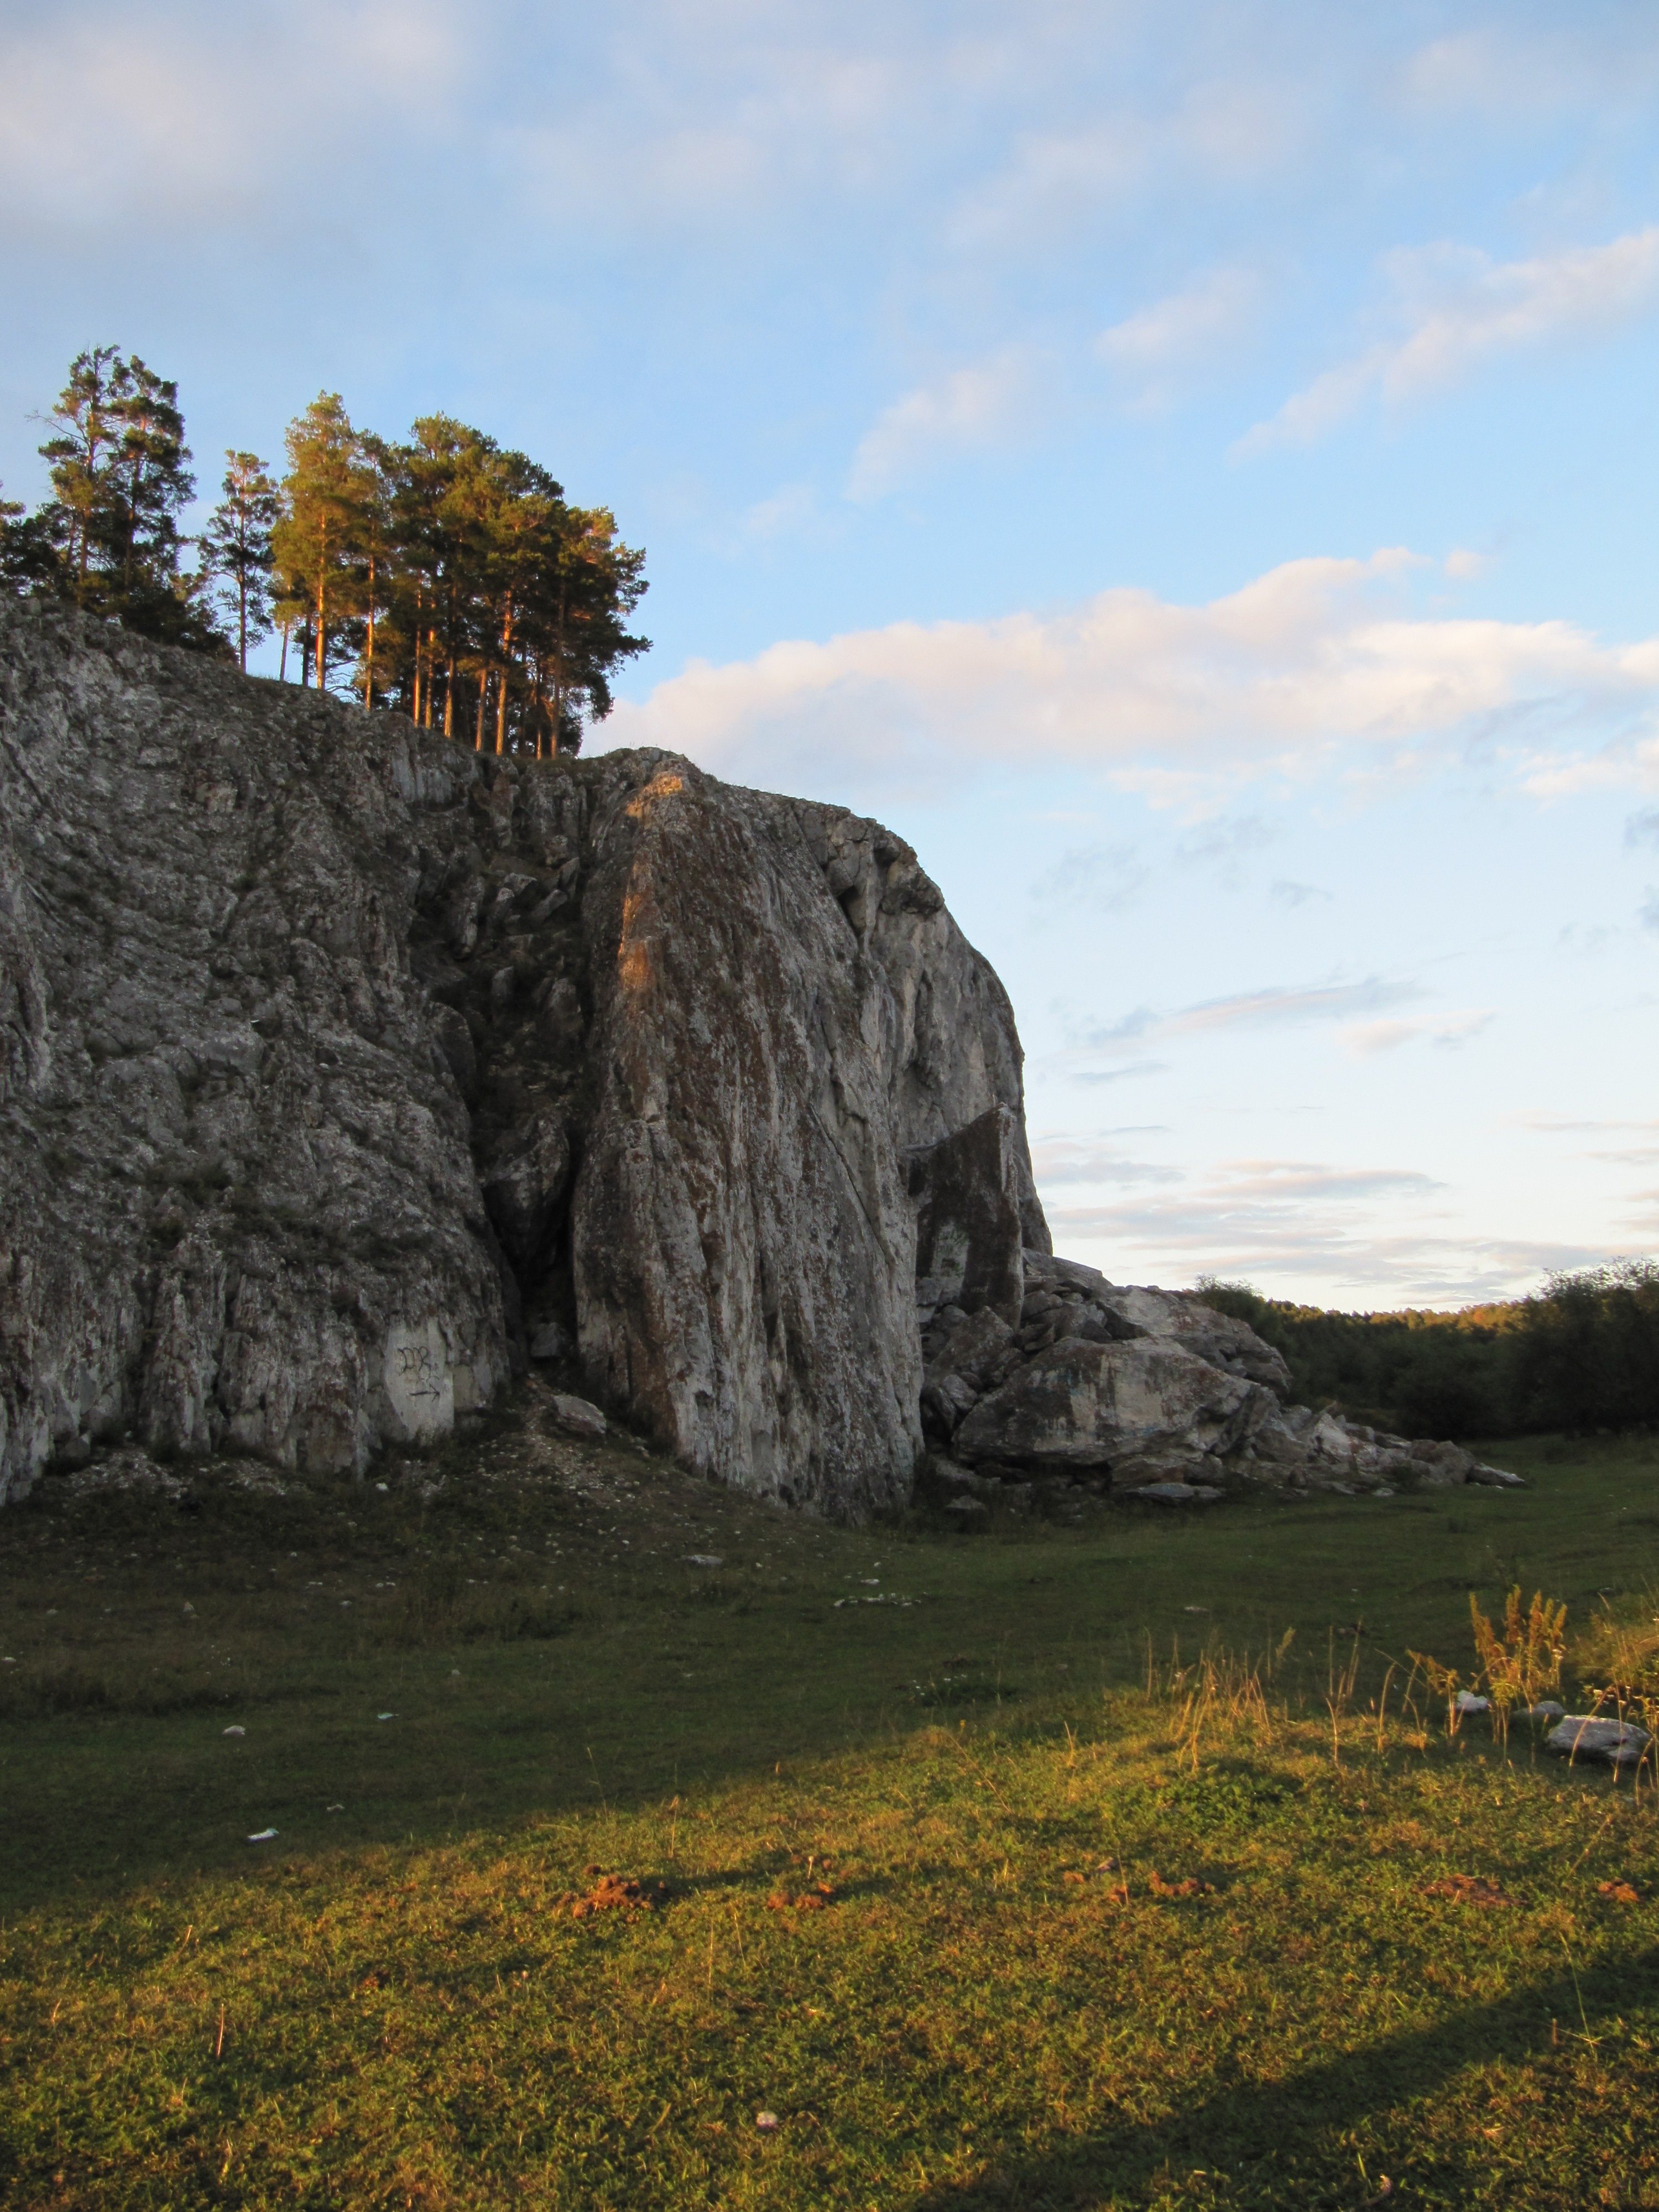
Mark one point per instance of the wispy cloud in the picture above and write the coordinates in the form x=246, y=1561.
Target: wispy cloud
x=1157, y=348
x=1139, y=1067
x=984, y=403
x=1288, y=893
x=1367, y=1039
x=1106, y=879
x=1380, y=1231
x=1277, y=1006
x=1059, y=1161
x=1456, y=307
x=1290, y=675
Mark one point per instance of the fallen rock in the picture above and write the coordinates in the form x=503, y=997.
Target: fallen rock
x=577, y=1416
x=1611, y=1743
x=1149, y=1406
x=550, y=1341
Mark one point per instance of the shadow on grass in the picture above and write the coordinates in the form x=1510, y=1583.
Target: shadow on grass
x=1278, y=2143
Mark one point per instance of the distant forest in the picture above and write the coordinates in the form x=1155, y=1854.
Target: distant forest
x=1581, y=1355
x=446, y=576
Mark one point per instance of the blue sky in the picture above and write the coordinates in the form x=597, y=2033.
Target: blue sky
x=1191, y=469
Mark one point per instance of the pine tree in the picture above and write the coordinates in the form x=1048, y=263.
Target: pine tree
x=318, y=542
x=28, y=559
x=78, y=454
x=149, y=487
x=236, y=548
x=594, y=582
x=120, y=479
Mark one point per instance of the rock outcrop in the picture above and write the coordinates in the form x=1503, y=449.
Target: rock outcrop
x=343, y=1070
x=339, y=1064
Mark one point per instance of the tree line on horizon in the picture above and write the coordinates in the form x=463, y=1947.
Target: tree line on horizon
x=444, y=576
x=1578, y=1356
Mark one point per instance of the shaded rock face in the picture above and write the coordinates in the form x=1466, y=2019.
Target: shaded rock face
x=335, y=1062
x=969, y=1209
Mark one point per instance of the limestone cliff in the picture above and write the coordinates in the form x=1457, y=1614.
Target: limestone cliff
x=335, y=1061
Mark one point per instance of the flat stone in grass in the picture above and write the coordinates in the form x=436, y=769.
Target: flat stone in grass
x=1174, y=1494
x=1615, y=1743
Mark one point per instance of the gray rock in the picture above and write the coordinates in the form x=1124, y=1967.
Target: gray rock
x=1142, y=1409
x=1547, y=1709
x=968, y=1512
x=577, y=1415
x=1611, y=1743
x=550, y=1341
x=976, y=1346
x=1176, y=1493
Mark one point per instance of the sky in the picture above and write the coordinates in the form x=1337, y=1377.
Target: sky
x=1190, y=469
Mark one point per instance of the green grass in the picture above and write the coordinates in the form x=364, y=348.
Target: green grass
x=1007, y=2000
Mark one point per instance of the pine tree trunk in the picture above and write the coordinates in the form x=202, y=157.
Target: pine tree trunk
x=483, y=685
x=283, y=678
x=449, y=697
x=368, y=686
x=241, y=616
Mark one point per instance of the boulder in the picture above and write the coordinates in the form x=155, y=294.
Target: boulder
x=1610, y=1744
x=1143, y=1411
x=576, y=1416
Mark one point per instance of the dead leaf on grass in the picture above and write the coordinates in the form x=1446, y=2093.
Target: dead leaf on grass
x=1189, y=1885
x=809, y=1901
x=1466, y=1889
x=615, y=1893
x=1619, y=1892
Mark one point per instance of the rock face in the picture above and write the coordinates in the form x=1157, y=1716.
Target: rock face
x=338, y=1063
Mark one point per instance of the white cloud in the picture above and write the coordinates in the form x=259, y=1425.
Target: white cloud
x=985, y=403
x=783, y=514
x=111, y=117
x=1184, y=331
x=1304, y=671
x=1457, y=308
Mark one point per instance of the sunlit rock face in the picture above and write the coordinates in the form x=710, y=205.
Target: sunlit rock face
x=336, y=1062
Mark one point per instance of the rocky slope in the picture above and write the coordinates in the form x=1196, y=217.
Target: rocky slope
x=338, y=1063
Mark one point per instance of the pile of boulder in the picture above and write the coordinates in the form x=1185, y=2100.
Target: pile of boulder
x=1087, y=1386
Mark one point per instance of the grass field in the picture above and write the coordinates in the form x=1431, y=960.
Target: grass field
x=946, y=1862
